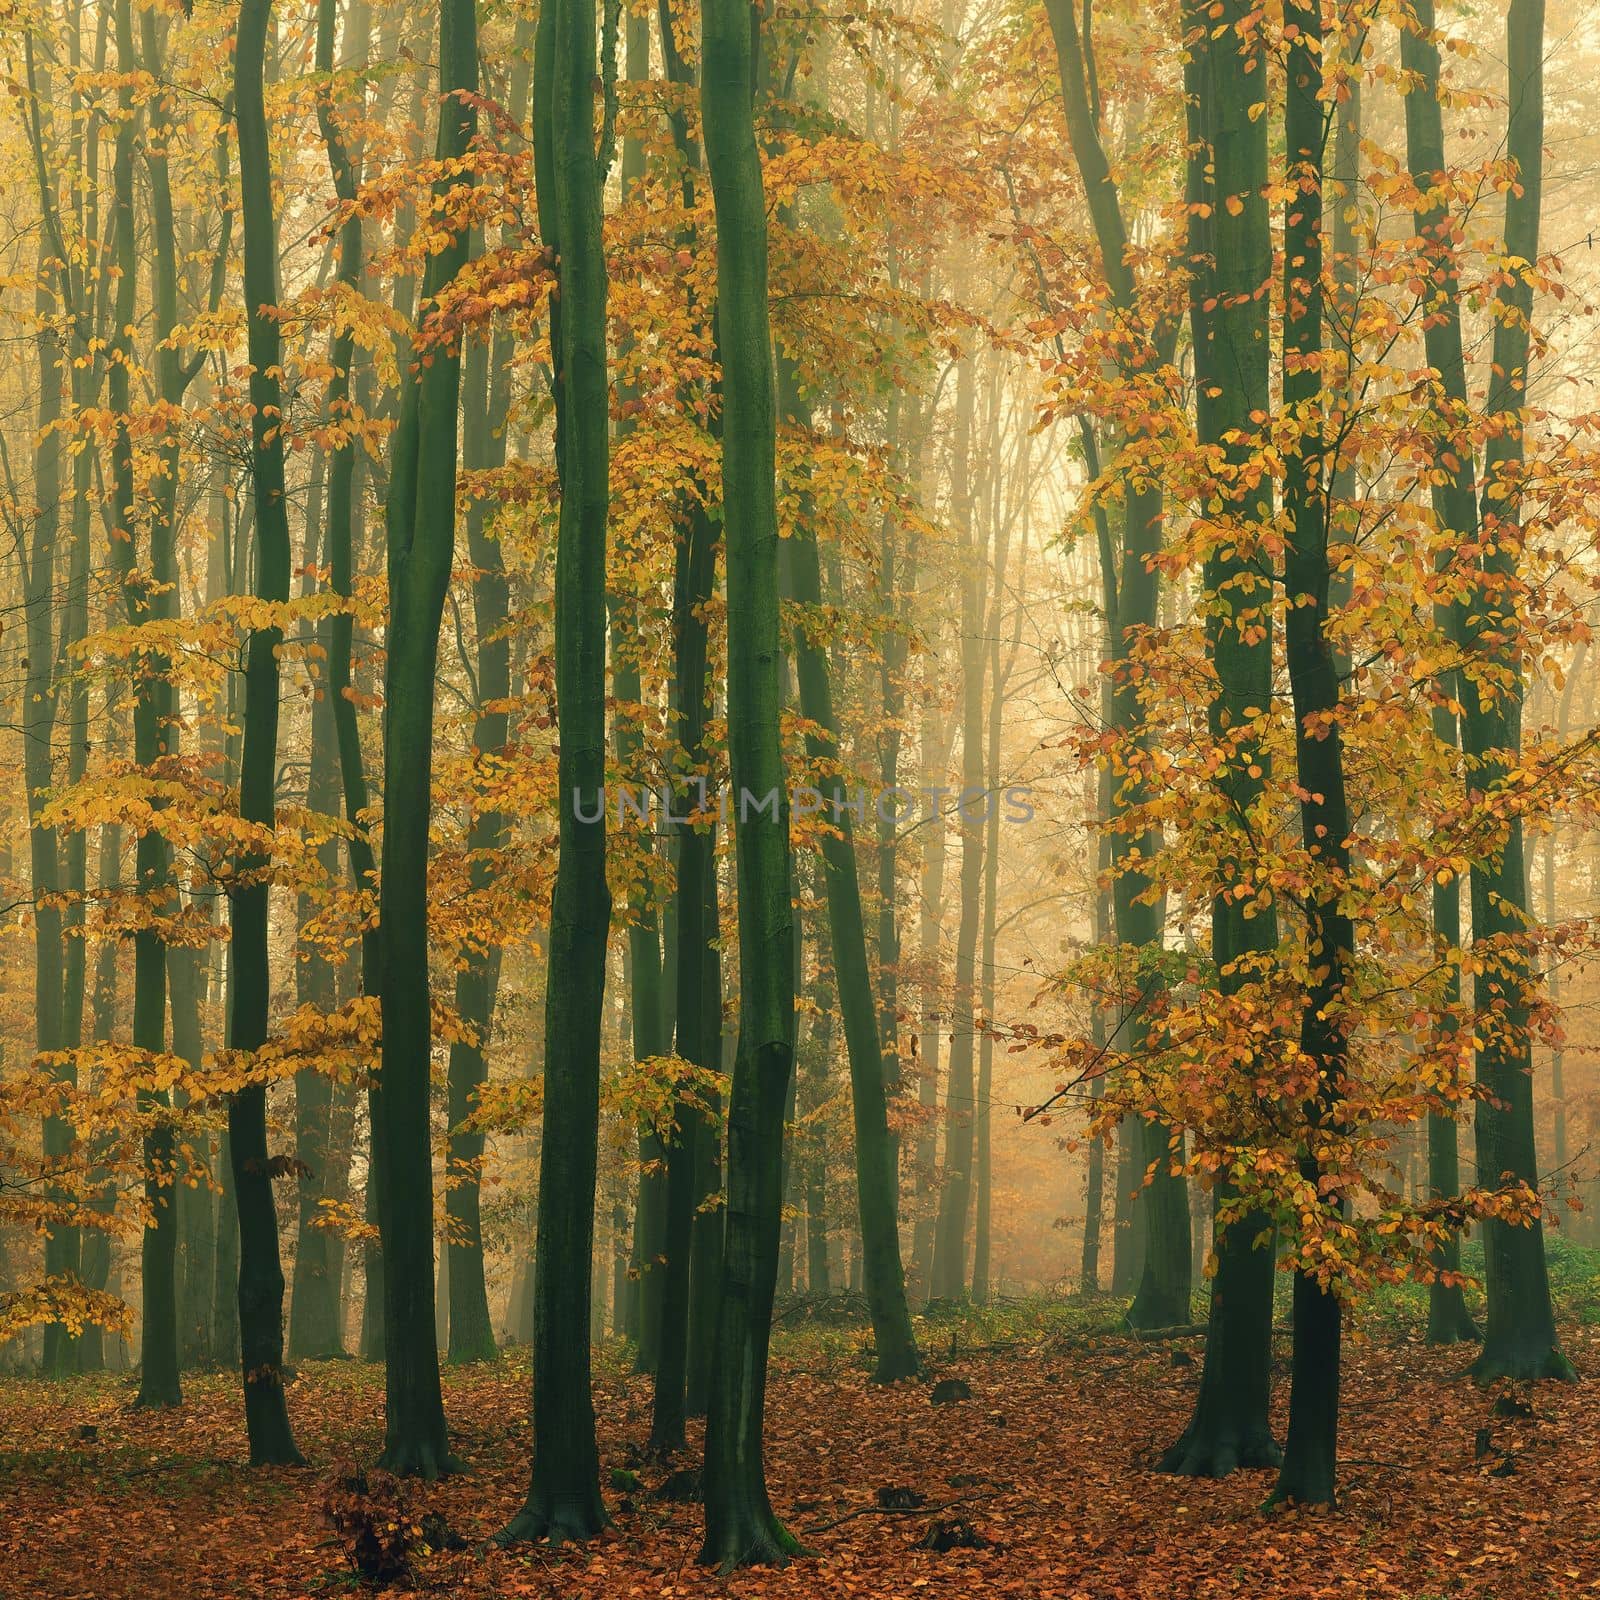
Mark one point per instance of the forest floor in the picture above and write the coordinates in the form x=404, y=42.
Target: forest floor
x=1047, y=1464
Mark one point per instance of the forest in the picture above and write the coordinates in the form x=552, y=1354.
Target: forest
x=800, y=798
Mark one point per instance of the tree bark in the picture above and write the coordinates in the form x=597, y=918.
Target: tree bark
x=1308, y=1471
x=1519, y=1336
x=1161, y=1211
x=260, y=1272
x=741, y=1528
x=877, y=1176
x=564, y=1493
x=421, y=545
x=1230, y=267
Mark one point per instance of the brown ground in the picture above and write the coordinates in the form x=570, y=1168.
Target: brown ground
x=1044, y=1462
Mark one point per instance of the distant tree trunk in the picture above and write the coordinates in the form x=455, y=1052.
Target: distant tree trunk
x=158, y=1376
x=1308, y=1472
x=1519, y=1336
x=741, y=1528
x=197, y=1218
x=421, y=546
x=999, y=674
x=487, y=385
x=698, y=1008
x=260, y=1273
x=41, y=696
x=949, y=1278
x=877, y=1188
x=1230, y=250
x=1094, y=1199
x=564, y=1492
x=931, y=1002
x=895, y=572
x=1455, y=509
x=1162, y=1210
x=314, y=1302
x=341, y=538
x=96, y=1267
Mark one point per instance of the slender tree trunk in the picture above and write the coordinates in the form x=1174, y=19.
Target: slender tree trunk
x=260, y=1273
x=741, y=1528
x=158, y=1378
x=935, y=753
x=698, y=975
x=62, y=1244
x=1309, y=1469
x=877, y=1191
x=1455, y=509
x=487, y=383
x=1094, y=1200
x=1162, y=1210
x=421, y=546
x=197, y=1219
x=96, y=1266
x=1230, y=251
x=564, y=1493
x=1519, y=1336
x=949, y=1278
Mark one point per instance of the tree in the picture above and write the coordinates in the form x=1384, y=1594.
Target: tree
x=564, y=1492
x=1162, y=1298
x=1455, y=509
x=1308, y=1471
x=1519, y=1336
x=877, y=1175
x=421, y=544
x=1230, y=255
x=260, y=1274
x=741, y=1528
x=158, y=1374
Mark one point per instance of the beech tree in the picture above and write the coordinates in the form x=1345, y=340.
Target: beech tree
x=741, y=1528
x=420, y=529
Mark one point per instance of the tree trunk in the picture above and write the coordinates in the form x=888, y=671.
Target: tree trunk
x=1519, y=1336
x=698, y=1008
x=877, y=1178
x=260, y=1272
x=1455, y=511
x=949, y=1278
x=1161, y=1211
x=741, y=1528
x=421, y=546
x=62, y=1244
x=158, y=1376
x=564, y=1493
x=1308, y=1472
x=1230, y=268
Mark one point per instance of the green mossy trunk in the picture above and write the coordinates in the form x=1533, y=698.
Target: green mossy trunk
x=1455, y=509
x=420, y=532
x=158, y=1374
x=1308, y=1473
x=741, y=1528
x=1519, y=1334
x=564, y=1492
x=698, y=976
x=1230, y=263
x=341, y=540
x=260, y=1271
